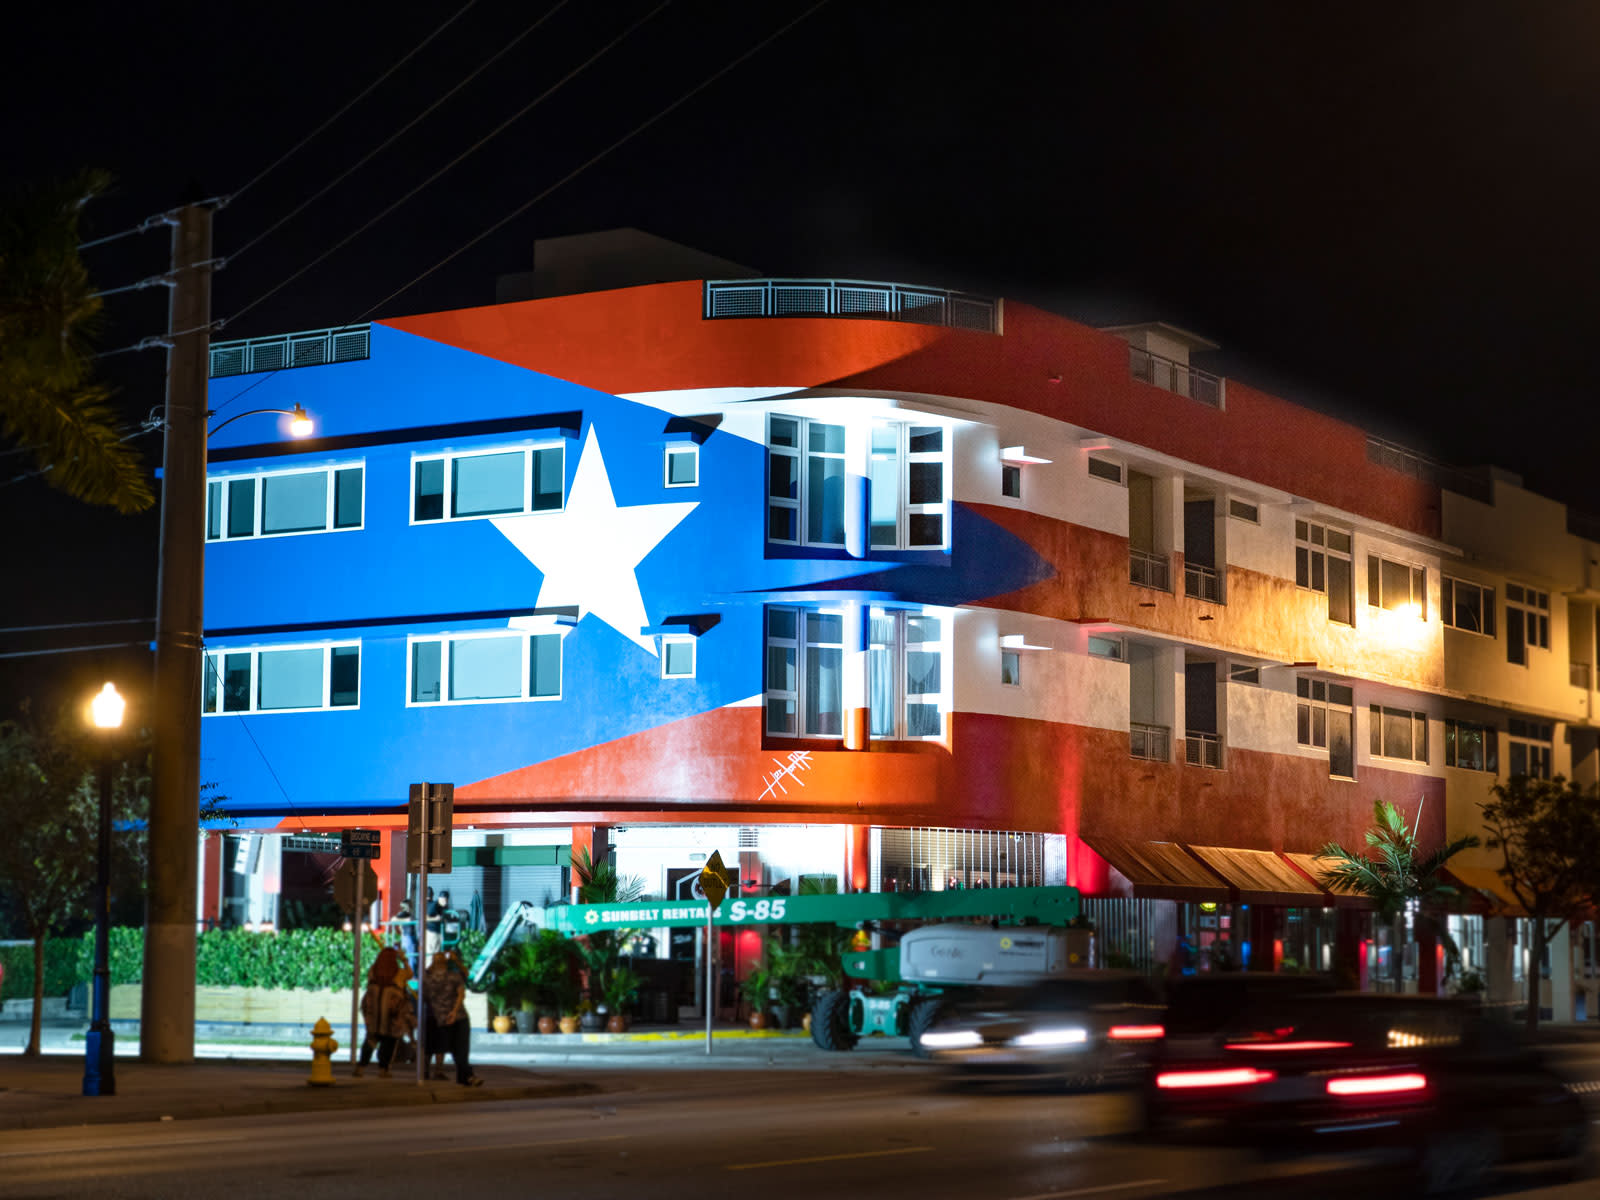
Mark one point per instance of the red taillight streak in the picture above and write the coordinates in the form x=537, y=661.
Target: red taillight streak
x=1136, y=1032
x=1376, y=1085
x=1229, y=1077
x=1288, y=1046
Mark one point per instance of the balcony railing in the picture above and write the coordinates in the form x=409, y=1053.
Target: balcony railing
x=849, y=298
x=1150, y=570
x=1202, y=582
x=309, y=348
x=1578, y=674
x=1175, y=377
x=1152, y=742
x=1203, y=750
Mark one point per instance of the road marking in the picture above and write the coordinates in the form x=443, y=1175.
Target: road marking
x=1092, y=1191
x=123, y=1147
x=795, y=1162
x=474, y=1149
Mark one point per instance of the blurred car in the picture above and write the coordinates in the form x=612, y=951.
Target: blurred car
x=1086, y=1029
x=1424, y=1080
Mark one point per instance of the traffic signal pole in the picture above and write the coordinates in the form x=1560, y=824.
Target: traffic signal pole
x=166, y=1015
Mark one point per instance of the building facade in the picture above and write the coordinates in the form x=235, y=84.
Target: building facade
x=896, y=587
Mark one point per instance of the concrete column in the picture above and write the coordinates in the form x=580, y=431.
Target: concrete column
x=1498, y=951
x=858, y=858
x=857, y=716
x=1561, y=983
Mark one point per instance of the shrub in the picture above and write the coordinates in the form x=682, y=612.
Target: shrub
x=60, y=968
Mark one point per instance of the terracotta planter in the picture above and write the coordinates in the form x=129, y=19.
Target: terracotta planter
x=503, y=1023
x=547, y=1025
x=617, y=1023
x=569, y=1024
x=758, y=1019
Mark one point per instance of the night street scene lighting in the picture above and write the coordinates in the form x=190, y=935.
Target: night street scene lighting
x=99, y=1068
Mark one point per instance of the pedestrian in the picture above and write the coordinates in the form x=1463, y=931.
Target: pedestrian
x=444, y=993
x=407, y=925
x=387, y=1011
x=431, y=914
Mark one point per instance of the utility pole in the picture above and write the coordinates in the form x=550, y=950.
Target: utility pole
x=166, y=1015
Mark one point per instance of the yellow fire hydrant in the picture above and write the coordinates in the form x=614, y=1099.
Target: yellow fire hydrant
x=323, y=1047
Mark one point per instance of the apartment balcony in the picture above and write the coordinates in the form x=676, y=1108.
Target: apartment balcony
x=726, y=298
x=1578, y=675
x=1203, y=750
x=1202, y=582
x=308, y=348
x=1150, y=742
x=1150, y=570
x=1175, y=377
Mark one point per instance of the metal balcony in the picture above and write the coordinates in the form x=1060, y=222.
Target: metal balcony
x=1149, y=570
x=1203, y=750
x=1151, y=742
x=1202, y=582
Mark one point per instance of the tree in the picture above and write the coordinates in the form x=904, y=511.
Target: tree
x=599, y=883
x=1548, y=831
x=1394, y=873
x=50, y=403
x=49, y=805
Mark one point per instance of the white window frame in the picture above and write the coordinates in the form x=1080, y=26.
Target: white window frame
x=1491, y=745
x=211, y=664
x=1315, y=542
x=449, y=640
x=799, y=645
x=223, y=493
x=1014, y=658
x=1376, y=747
x=904, y=459
x=898, y=648
x=451, y=457
x=1448, y=586
x=680, y=639
x=673, y=450
x=1316, y=696
x=1531, y=606
x=1416, y=585
x=1529, y=737
x=802, y=455
x=1116, y=648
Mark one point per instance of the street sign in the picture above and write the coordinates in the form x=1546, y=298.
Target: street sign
x=714, y=880
x=432, y=826
x=344, y=884
x=359, y=843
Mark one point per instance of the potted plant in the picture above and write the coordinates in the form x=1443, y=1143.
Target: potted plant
x=621, y=989
x=755, y=987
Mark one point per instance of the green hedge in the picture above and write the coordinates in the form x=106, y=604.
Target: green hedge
x=60, y=968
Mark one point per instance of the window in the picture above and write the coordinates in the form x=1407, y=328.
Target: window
x=1011, y=480
x=1397, y=587
x=475, y=668
x=907, y=505
x=1102, y=468
x=680, y=466
x=1011, y=668
x=677, y=658
x=805, y=482
x=904, y=676
x=282, y=679
x=1244, y=673
x=272, y=503
x=1241, y=511
x=1106, y=647
x=805, y=672
x=1472, y=746
x=488, y=483
x=1322, y=563
x=1398, y=733
x=1467, y=606
x=1325, y=718
x=1528, y=748
x=1527, y=622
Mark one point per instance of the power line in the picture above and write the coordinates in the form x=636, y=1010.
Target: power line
x=72, y=649
x=363, y=94
x=79, y=625
x=397, y=134
x=470, y=150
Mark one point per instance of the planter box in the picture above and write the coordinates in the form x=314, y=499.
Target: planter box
x=251, y=1006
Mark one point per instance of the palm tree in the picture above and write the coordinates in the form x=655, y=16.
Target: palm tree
x=1394, y=874
x=51, y=407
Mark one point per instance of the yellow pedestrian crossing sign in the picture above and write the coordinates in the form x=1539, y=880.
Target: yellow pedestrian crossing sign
x=714, y=881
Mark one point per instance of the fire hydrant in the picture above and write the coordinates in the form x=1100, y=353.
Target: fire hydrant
x=323, y=1047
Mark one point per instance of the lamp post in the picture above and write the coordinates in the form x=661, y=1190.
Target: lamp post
x=99, y=1069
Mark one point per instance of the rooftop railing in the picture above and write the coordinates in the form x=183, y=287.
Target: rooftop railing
x=1176, y=377
x=849, y=298
x=308, y=348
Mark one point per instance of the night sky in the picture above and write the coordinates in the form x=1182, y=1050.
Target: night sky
x=1384, y=211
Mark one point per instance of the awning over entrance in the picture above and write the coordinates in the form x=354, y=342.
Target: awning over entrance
x=1485, y=882
x=1314, y=865
x=1159, y=870
x=1261, y=876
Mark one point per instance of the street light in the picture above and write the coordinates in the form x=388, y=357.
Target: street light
x=300, y=423
x=99, y=1070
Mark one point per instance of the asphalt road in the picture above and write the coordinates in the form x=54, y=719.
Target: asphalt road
x=666, y=1135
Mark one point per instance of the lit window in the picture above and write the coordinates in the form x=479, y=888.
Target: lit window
x=1106, y=647
x=282, y=679
x=273, y=503
x=1325, y=719
x=488, y=483
x=1397, y=587
x=1011, y=668
x=1467, y=606
x=907, y=504
x=805, y=672
x=1528, y=749
x=1527, y=622
x=1398, y=733
x=1322, y=563
x=681, y=466
x=677, y=658
x=493, y=666
x=1471, y=746
x=904, y=674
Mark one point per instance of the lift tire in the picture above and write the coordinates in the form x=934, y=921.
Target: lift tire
x=924, y=1012
x=830, y=1021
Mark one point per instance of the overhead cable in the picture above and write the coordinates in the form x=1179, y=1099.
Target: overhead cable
x=361, y=95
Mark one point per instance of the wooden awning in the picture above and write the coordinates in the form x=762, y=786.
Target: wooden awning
x=1159, y=870
x=1314, y=865
x=1261, y=877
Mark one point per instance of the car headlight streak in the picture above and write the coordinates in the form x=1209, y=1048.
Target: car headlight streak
x=1071, y=1036
x=952, y=1039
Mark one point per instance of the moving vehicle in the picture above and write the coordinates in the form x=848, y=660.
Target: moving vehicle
x=1421, y=1080
x=1087, y=1029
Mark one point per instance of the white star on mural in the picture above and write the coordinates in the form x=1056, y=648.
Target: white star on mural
x=588, y=550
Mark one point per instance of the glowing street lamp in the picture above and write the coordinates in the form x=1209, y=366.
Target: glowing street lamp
x=99, y=1064
x=300, y=423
